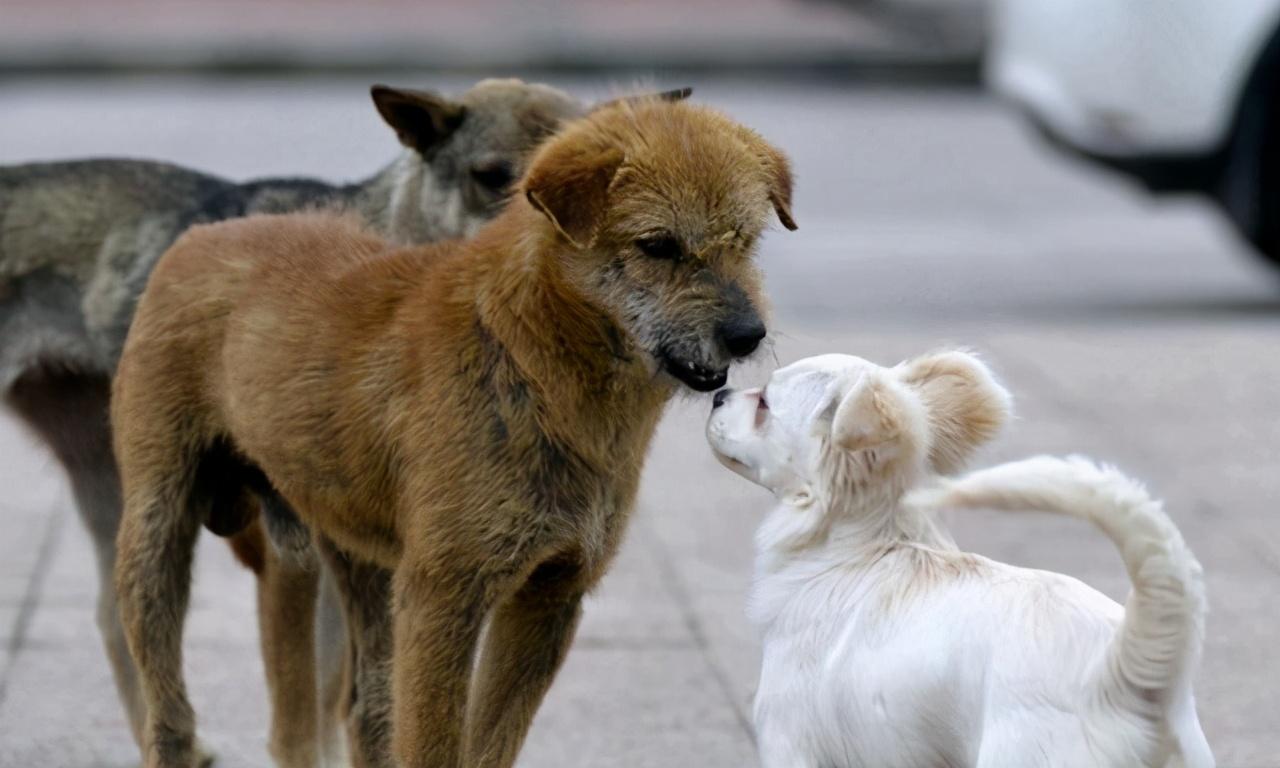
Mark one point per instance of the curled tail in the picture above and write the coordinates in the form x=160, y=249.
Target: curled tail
x=1157, y=648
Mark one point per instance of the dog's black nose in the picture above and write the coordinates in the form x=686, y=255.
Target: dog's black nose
x=720, y=397
x=741, y=337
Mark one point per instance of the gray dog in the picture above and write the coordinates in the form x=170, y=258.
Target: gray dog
x=77, y=243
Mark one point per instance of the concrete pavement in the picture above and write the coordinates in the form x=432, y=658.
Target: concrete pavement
x=1135, y=331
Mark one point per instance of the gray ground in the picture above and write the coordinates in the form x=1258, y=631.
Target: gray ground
x=1134, y=331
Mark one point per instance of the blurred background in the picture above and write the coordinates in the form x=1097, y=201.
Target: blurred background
x=1085, y=191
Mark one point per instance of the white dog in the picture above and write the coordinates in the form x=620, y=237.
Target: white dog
x=884, y=645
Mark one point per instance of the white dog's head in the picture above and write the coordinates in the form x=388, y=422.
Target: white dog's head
x=838, y=423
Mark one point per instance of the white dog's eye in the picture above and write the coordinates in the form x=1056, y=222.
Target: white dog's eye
x=762, y=409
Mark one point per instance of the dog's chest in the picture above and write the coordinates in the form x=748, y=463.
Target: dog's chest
x=576, y=450
x=568, y=497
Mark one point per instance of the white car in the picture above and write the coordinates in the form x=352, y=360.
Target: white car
x=1182, y=94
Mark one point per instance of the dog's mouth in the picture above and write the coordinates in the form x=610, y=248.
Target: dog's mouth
x=694, y=376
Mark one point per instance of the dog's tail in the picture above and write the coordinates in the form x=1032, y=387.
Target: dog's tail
x=1158, y=646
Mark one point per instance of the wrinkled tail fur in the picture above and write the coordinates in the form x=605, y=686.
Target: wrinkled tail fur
x=1157, y=649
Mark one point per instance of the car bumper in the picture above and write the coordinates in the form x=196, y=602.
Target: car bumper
x=1161, y=172
x=1122, y=79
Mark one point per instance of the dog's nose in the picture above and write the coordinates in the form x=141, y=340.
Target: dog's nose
x=720, y=397
x=741, y=337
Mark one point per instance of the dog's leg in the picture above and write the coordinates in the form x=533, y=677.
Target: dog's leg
x=440, y=606
x=780, y=748
x=97, y=493
x=331, y=671
x=153, y=575
x=69, y=412
x=287, y=588
x=526, y=642
x=365, y=592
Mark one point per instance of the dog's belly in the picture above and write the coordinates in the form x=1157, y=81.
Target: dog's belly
x=352, y=503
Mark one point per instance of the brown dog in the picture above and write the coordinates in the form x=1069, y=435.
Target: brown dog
x=78, y=241
x=473, y=416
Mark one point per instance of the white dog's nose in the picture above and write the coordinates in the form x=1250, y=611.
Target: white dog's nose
x=720, y=397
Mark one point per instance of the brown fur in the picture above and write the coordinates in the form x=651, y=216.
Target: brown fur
x=471, y=416
x=79, y=239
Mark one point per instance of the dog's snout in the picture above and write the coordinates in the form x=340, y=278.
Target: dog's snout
x=741, y=336
x=720, y=397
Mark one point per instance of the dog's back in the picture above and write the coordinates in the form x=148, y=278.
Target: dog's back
x=1156, y=649
x=78, y=241
x=60, y=215
x=73, y=239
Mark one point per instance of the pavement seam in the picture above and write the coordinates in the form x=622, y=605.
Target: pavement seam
x=31, y=596
x=680, y=594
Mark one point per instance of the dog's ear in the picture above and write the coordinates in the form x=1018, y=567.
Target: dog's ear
x=569, y=184
x=777, y=169
x=422, y=119
x=965, y=404
x=675, y=94
x=868, y=416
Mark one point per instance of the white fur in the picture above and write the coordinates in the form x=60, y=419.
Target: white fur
x=884, y=645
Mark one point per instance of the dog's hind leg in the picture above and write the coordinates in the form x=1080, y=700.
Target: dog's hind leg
x=332, y=671
x=287, y=588
x=526, y=642
x=162, y=517
x=69, y=412
x=782, y=749
x=365, y=593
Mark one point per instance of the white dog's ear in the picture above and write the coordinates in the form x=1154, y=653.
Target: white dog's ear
x=965, y=404
x=867, y=417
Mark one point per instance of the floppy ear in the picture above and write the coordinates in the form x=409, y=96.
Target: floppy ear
x=569, y=184
x=422, y=119
x=966, y=406
x=868, y=416
x=778, y=169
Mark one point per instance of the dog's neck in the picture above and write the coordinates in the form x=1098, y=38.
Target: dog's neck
x=849, y=528
x=589, y=375
x=406, y=203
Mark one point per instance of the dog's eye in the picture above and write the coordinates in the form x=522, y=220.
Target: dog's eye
x=495, y=178
x=659, y=247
